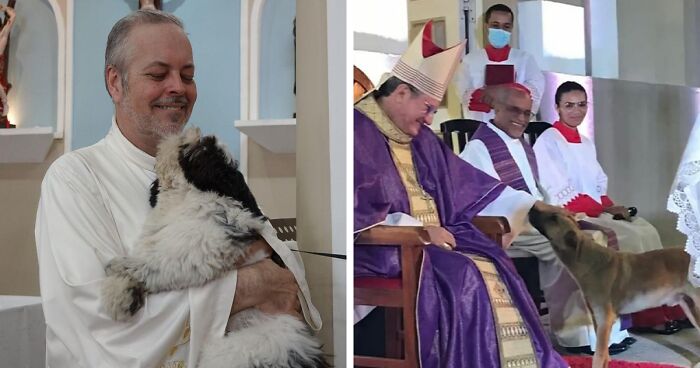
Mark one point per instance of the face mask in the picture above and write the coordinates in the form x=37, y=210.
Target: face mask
x=498, y=38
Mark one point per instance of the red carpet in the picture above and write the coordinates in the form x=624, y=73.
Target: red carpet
x=586, y=361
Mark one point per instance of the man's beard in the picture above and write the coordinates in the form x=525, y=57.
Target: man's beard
x=150, y=124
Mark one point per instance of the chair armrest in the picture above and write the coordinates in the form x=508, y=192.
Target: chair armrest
x=493, y=226
x=404, y=236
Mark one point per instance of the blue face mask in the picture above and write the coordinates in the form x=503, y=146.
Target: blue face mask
x=498, y=38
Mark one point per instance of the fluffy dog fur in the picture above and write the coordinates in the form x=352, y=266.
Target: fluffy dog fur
x=614, y=282
x=203, y=221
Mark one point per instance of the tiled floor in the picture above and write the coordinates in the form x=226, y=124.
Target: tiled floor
x=681, y=348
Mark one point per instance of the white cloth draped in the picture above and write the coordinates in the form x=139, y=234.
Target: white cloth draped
x=471, y=76
x=568, y=169
x=92, y=207
x=684, y=200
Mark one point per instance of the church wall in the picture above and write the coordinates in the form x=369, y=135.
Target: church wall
x=651, y=41
x=272, y=176
x=641, y=130
x=322, y=181
x=20, y=185
x=33, y=102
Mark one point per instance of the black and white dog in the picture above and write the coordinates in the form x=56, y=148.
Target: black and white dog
x=203, y=221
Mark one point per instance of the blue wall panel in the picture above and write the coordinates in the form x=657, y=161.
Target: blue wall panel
x=276, y=93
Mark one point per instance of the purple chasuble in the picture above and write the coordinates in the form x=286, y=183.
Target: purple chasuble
x=503, y=161
x=455, y=321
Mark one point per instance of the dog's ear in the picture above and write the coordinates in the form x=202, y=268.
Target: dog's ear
x=210, y=169
x=571, y=239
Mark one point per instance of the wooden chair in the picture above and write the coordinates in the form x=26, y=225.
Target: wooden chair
x=465, y=128
x=361, y=84
x=535, y=129
x=527, y=267
x=399, y=295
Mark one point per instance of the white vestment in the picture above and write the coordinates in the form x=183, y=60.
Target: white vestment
x=93, y=204
x=569, y=319
x=684, y=200
x=471, y=77
x=570, y=169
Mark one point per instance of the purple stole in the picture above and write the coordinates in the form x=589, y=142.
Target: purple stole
x=503, y=162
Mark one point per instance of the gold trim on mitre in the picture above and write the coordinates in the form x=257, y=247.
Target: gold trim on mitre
x=426, y=66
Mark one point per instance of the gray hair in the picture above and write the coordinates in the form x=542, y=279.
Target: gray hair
x=117, y=54
x=503, y=93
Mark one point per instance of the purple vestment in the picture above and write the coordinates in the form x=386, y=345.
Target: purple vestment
x=455, y=320
x=503, y=162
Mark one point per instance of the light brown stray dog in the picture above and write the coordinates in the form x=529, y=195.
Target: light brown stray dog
x=614, y=282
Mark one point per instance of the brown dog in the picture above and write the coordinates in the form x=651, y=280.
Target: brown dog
x=616, y=282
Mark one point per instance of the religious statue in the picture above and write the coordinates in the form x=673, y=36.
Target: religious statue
x=5, y=27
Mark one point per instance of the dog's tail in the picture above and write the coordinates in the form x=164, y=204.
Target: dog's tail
x=122, y=296
x=265, y=341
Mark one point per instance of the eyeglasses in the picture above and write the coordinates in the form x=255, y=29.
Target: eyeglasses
x=571, y=105
x=514, y=110
x=430, y=109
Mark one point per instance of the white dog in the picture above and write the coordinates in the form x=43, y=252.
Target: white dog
x=203, y=221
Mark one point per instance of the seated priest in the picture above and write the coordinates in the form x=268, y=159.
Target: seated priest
x=574, y=178
x=401, y=166
x=498, y=149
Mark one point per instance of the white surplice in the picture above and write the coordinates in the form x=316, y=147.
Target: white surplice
x=569, y=319
x=684, y=200
x=93, y=204
x=570, y=169
x=471, y=76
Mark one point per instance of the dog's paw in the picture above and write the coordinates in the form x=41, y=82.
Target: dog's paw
x=122, y=297
x=122, y=266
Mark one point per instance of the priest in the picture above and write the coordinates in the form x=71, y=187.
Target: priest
x=498, y=148
x=483, y=70
x=400, y=166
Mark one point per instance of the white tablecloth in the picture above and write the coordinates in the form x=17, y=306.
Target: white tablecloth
x=22, y=332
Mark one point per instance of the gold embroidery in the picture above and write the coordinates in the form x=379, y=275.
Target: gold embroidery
x=372, y=110
x=421, y=202
x=177, y=364
x=422, y=205
x=184, y=339
x=514, y=342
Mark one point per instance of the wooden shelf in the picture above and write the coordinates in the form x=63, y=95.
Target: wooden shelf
x=276, y=135
x=22, y=145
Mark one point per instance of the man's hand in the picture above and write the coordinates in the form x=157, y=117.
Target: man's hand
x=619, y=212
x=257, y=249
x=441, y=237
x=268, y=287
